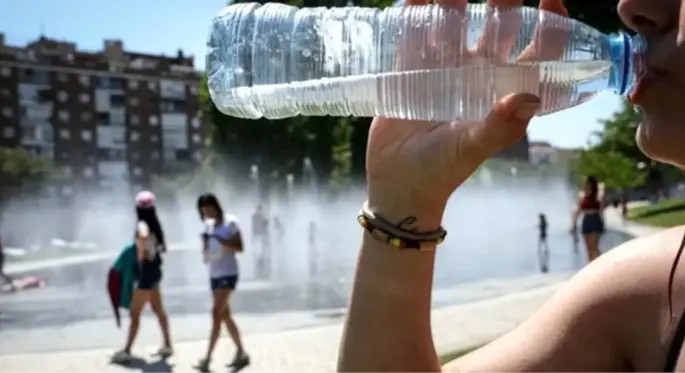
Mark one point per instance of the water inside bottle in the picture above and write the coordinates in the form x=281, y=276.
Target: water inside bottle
x=460, y=93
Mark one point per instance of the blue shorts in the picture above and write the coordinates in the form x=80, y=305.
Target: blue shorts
x=223, y=282
x=592, y=224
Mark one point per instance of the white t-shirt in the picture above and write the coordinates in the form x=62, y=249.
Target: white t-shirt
x=152, y=247
x=221, y=264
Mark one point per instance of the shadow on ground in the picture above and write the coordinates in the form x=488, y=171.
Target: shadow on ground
x=143, y=365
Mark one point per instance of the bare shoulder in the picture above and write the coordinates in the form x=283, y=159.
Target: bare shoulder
x=610, y=316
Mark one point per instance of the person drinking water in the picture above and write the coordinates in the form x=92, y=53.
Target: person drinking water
x=221, y=241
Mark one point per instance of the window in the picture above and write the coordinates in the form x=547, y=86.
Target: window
x=132, y=84
x=67, y=171
x=134, y=119
x=137, y=171
x=154, y=155
x=63, y=115
x=133, y=101
x=193, y=89
x=64, y=134
x=197, y=156
x=154, y=139
x=134, y=136
x=6, y=71
x=154, y=120
x=103, y=119
x=117, y=100
x=152, y=86
x=135, y=156
x=86, y=116
x=62, y=77
x=86, y=135
x=7, y=112
x=66, y=190
x=84, y=80
x=182, y=155
x=8, y=132
x=62, y=96
x=85, y=98
x=5, y=92
x=196, y=138
x=195, y=122
x=88, y=172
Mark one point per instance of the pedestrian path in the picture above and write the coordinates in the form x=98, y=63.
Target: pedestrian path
x=305, y=350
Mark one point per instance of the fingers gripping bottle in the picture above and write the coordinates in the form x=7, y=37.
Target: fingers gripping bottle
x=426, y=62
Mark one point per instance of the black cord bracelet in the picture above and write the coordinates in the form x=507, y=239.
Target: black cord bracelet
x=400, y=242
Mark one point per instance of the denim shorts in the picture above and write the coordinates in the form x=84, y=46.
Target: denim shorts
x=223, y=282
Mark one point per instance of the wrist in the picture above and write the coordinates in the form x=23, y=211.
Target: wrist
x=397, y=204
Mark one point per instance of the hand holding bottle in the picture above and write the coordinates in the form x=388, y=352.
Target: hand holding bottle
x=414, y=166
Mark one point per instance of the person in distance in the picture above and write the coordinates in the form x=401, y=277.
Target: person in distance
x=622, y=312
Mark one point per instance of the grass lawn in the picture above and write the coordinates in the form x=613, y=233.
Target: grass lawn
x=446, y=358
x=667, y=213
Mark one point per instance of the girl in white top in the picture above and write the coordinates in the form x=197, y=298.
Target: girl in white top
x=221, y=240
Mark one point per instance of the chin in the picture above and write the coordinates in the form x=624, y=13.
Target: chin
x=656, y=145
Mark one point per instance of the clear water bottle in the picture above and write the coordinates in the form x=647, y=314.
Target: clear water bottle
x=213, y=251
x=418, y=62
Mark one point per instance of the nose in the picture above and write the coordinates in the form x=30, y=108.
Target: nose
x=649, y=17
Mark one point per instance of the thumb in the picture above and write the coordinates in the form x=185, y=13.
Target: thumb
x=505, y=125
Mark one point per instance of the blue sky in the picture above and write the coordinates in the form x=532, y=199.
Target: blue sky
x=157, y=26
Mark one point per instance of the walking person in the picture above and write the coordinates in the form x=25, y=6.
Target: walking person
x=149, y=246
x=543, y=247
x=590, y=207
x=221, y=241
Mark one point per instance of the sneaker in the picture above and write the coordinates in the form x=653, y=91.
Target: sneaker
x=203, y=365
x=240, y=361
x=165, y=352
x=122, y=357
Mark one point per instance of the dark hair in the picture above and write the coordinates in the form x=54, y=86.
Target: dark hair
x=209, y=199
x=592, y=182
x=148, y=215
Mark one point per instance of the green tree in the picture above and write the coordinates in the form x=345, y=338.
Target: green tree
x=22, y=172
x=614, y=157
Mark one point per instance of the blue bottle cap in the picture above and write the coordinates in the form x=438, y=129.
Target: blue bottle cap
x=628, y=59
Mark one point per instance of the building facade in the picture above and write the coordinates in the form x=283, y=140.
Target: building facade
x=108, y=119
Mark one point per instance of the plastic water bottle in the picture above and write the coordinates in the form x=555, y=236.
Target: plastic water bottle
x=419, y=62
x=214, y=250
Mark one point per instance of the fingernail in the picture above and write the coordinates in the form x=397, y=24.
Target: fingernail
x=527, y=111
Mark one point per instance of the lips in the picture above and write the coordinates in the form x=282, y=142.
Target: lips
x=644, y=82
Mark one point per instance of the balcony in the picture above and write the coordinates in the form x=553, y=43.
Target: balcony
x=36, y=112
x=37, y=135
x=109, y=137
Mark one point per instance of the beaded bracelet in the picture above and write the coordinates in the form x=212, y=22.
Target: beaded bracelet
x=411, y=240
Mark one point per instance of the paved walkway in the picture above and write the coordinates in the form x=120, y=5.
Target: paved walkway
x=315, y=349
x=306, y=350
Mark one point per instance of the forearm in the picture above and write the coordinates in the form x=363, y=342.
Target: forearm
x=388, y=322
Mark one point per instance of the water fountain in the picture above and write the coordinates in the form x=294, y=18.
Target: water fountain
x=254, y=176
x=309, y=177
x=290, y=186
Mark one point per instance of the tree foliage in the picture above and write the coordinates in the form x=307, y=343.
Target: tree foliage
x=21, y=171
x=614, y=156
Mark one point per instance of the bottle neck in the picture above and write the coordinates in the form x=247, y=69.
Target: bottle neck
x=627, y=57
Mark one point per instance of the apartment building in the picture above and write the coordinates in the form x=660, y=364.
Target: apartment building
x=109, y=119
